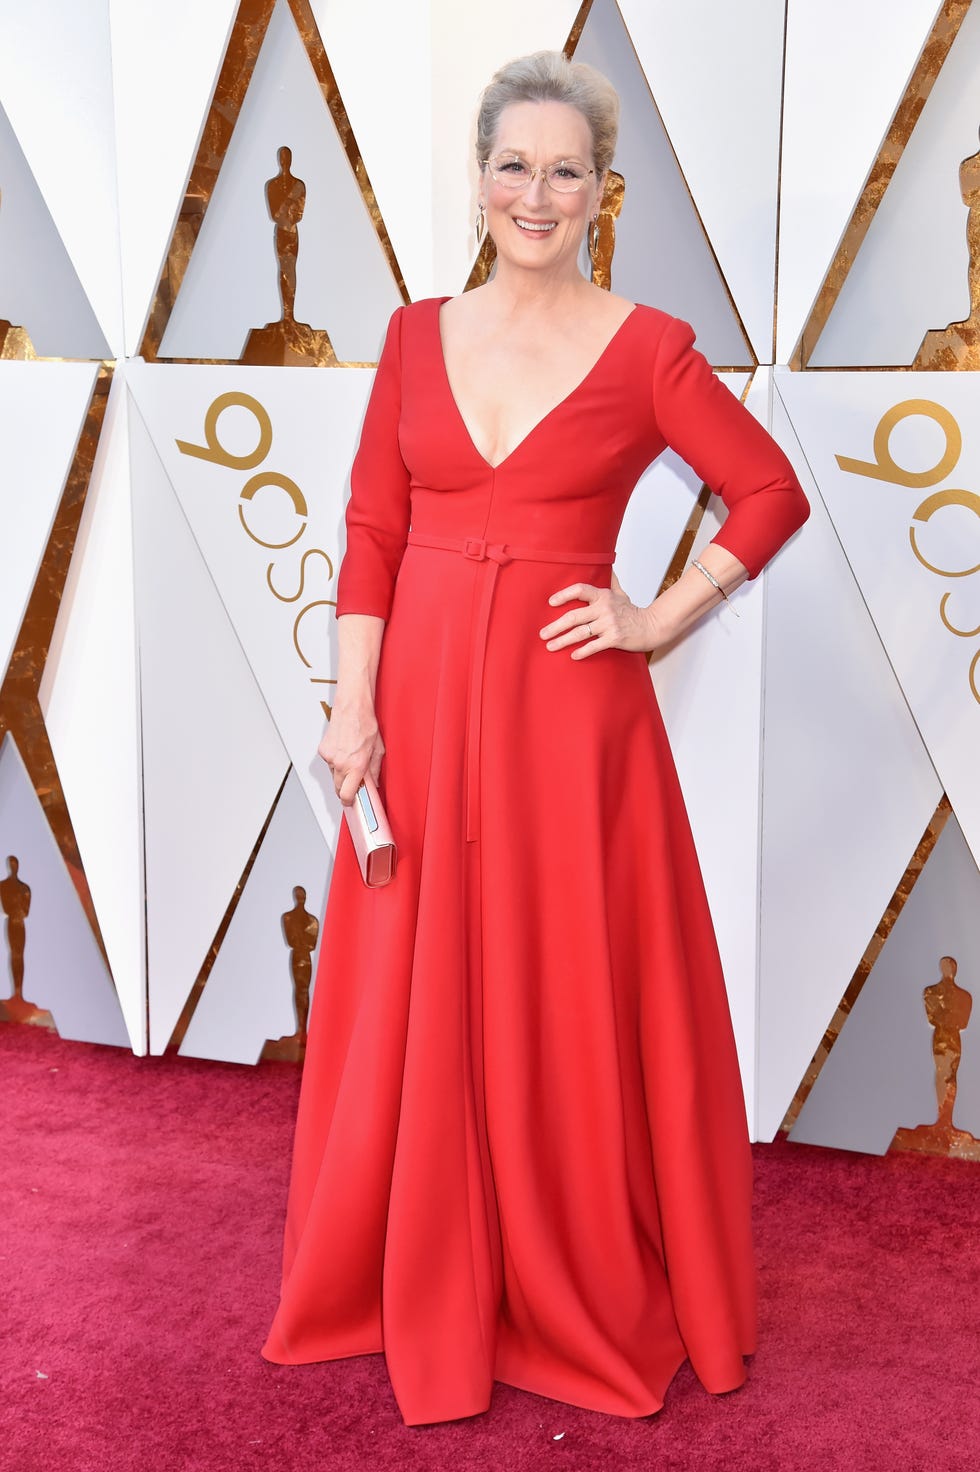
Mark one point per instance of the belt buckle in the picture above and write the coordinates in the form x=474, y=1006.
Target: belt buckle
x=475, y=549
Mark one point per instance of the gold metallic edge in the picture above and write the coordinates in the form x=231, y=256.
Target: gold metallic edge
x=201, y=980
x=20, y=707
x=935, y=50
x=865, y=966
x=578, y=26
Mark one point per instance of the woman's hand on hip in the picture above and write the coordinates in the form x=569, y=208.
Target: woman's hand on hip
x=351, y=746
x=605, y=619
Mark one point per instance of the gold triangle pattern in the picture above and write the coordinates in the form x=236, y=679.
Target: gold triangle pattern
x=305, y=344
x=873, y=950
x=20, y=707
x=944, y=31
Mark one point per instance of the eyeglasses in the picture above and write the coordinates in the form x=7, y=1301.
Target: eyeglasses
x=510, y=170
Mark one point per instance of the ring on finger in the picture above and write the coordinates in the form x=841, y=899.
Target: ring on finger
x=588, y=631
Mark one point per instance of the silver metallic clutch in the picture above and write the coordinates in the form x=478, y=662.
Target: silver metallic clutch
x=373, y=843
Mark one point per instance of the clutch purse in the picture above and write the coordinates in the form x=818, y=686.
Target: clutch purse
x=373, y=843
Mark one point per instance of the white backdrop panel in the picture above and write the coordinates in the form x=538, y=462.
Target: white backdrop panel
x=212, y=758
x=64, y=970
x=165, y=60
x=716, y=72
x=42, y=408
x=56, y=85
x=910, y=273
x=91, y=711
x=836, y=415
x=880, y=1073
x=848, y=789
x=248, y=998
x=343, y=282
x=662, y=255
x=39, y=286
x=315, y=420
x=847, y=66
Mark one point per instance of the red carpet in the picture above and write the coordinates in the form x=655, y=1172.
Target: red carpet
x=140, y=1226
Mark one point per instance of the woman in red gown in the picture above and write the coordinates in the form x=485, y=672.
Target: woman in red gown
x=521, y=1152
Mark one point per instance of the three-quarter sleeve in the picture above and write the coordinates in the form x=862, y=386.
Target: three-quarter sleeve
x=380, y=502
x=705, y=423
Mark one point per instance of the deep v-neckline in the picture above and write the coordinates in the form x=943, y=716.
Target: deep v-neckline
x=549, y=414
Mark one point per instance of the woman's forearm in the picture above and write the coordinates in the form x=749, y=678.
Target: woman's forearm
x=680, y=606
x=359, y=642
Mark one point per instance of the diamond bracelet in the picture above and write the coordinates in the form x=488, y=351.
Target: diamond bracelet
x=715, y=584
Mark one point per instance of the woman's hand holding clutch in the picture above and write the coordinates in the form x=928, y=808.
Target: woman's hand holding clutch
x=352, y=746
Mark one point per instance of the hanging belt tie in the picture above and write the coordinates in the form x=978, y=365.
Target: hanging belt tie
x=494, y=556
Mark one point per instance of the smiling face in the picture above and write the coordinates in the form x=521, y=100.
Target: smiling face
x=538, y=227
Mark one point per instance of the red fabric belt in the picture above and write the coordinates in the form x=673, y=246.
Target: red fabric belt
x=493, y=556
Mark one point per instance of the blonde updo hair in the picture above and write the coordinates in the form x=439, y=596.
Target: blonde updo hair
x=548, y=76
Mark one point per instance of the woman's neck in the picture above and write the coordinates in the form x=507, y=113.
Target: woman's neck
x=517, y=290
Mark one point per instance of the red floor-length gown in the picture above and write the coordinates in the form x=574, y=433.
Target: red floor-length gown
x=521, y=1151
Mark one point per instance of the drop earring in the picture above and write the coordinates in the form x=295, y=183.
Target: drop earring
x=593, y=241
x=481, y=224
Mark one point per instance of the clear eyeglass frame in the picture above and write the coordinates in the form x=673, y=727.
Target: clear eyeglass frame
x=555, y=181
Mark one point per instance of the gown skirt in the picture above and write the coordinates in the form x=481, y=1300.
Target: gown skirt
x=521, y=1152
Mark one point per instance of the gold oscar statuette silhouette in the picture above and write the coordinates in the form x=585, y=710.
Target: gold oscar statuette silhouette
x=287, y=342
x=15, y=342
x=301, y=931
x=15, y=901
x=948, y=1007
x=958, y=345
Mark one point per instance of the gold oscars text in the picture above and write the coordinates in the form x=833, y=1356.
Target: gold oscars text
x=295, y=513
x=885, y=467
